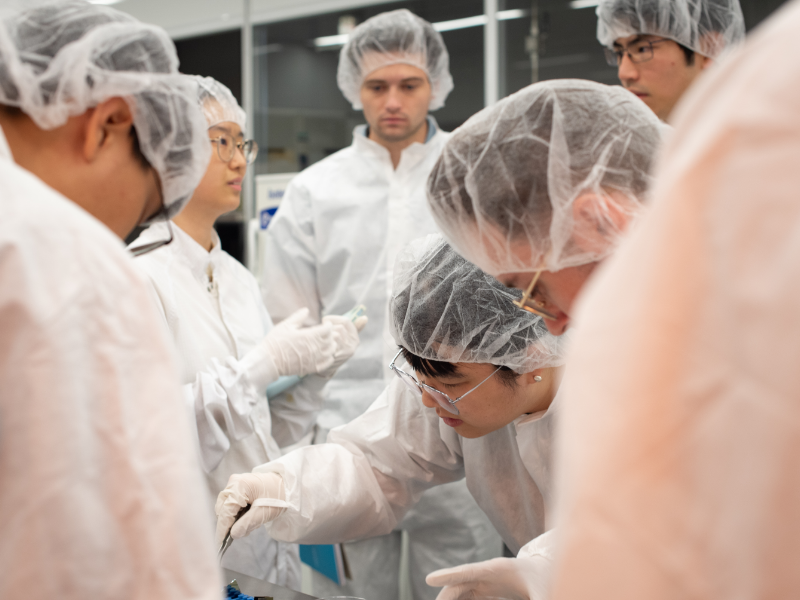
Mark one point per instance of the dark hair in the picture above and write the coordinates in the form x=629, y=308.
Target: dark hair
x=440, y=368
x=688, y=53
x=137, y=150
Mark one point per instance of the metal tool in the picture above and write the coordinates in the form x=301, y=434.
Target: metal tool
x=226, y=543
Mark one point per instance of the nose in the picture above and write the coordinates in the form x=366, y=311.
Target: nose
x=427, y=401
x=557, y=326
x=238, y=162
x=627, y=71
x=393, y=100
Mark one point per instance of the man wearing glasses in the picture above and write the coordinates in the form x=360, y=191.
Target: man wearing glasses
x=661, y=46
x=472, y=396
x=98, y=477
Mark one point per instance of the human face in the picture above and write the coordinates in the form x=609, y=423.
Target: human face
x=661, y=81
x=493, y=404
x=395, y=100
x=220, y=189
x=555, y=291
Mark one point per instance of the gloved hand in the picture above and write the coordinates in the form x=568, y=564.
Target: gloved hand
x=525, y=578
x=291, y=349
x=345, y=334
x=262, y=491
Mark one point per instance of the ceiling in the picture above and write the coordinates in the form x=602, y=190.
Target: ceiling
x=187, y=18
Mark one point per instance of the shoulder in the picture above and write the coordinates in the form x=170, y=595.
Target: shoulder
x=66, y=253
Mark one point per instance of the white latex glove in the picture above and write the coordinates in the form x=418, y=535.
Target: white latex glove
x=262, y=491
x=525, y=578
x=291, y=349
x=345, y=335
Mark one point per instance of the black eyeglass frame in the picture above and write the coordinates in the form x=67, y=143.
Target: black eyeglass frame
x=614, y=56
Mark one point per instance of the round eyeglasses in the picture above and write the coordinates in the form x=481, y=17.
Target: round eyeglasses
x=227, y=147
x=440, y=398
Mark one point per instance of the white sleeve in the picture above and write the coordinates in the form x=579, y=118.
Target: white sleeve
x=220, y=400
x=371, y=471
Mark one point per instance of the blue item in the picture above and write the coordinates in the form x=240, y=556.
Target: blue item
x=281, y=385
x=325, y=559
x=234, y=594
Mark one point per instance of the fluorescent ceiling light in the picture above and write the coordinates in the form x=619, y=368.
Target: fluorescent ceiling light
x=476, y=21
x=583, y=3
x=107, y=2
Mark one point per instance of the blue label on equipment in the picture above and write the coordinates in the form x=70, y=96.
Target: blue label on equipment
x=266, y=216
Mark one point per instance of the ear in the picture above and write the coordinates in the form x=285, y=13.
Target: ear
x=598, y=219
x=109, y=123
x=530, y=378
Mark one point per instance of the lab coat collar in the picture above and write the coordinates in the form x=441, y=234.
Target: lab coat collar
x=5, y=151
x=187, y=249
x=537, y=416
x=414, y=152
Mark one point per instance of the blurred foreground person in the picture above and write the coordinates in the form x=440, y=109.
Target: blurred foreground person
x=681, y=443
x=473, y=397
x=100, y=495
x=660, y=47
x=229, y=350
x=333, y=244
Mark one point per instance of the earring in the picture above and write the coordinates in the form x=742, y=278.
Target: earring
x=538, y=378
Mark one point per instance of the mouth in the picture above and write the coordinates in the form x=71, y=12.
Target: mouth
x=451, y=422
x=236, y=184
x=393, y=121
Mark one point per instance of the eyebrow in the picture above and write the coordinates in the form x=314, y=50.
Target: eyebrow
x=406, y=80
x=638, y=38
x=227, y=130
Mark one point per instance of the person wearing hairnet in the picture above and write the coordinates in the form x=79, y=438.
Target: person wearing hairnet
x=472, y=397
x=332, y=245
x=229, y=350
x=539, y=188
x=100, y=494
x=661, y=46
x=681, y=445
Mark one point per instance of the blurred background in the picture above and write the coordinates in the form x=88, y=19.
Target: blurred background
x=279, y=58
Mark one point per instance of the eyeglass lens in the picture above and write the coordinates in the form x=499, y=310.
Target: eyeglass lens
x=226, y=147
x=416, y=387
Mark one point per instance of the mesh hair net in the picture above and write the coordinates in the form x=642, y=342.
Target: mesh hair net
x=58, y=60
x=706, y=26
x=445, y=308
x=504, y=189
x=390, y=38
x=218, y=102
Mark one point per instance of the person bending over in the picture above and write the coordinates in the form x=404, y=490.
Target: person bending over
x=473, y=397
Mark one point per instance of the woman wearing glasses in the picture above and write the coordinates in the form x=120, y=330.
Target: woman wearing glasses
x=229, y=350
x=473, y=398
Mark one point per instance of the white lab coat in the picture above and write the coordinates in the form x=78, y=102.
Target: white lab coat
x=332, y=245
x=100, y=494
x=375, y=468
x=214, y=312
x=681, y=440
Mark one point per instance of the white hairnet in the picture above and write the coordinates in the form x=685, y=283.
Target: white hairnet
x=390, y=38
x=706, y=26
x=504, y=188
x=445, y=308
x=59, y=60
x=218, y=102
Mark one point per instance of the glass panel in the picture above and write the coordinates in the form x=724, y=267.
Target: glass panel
x=302, y=117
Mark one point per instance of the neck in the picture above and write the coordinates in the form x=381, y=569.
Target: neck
x=197, y=225
x=396, y=147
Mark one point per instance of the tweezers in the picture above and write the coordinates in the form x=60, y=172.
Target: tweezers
x=226, y=543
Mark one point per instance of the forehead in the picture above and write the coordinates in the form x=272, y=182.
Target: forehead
x=377, y=69
x=228, y=127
